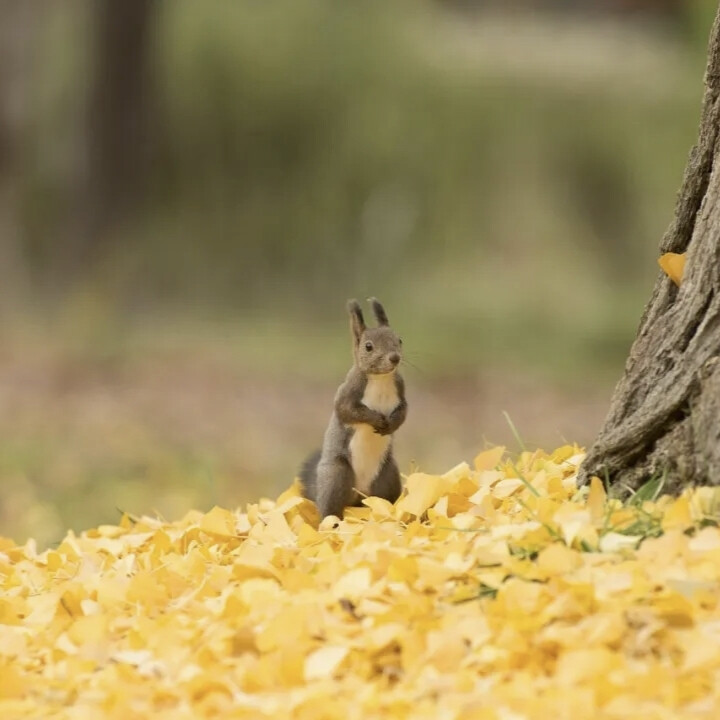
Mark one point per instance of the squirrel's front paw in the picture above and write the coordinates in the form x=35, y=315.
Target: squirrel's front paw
x=382, y=426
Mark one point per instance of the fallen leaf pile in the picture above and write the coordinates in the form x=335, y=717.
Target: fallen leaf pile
x=494, y=591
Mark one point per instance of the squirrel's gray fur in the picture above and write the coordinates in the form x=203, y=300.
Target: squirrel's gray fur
x=356, y=459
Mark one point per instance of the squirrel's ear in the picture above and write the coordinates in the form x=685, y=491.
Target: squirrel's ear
x=357, y=322
x=379, y=311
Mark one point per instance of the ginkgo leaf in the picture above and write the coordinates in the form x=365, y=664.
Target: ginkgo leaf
x=678, y=515
x=277, y=529
x=507, y=487
x=324, y=662
x=379, y=506
x=353, y=584
x=596, y=500
x=557, y=559
x=423, y=491
x=615, y=542
x=706, y=540
x=673, y=264
x=489, y=459
x=90, y=629
x=13, y=683
x=219, y=522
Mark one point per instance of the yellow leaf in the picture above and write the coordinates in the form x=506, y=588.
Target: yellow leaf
x=403, y=569
x=289, y=503
x=13, y=640
x=65, y=645
x=489, y=459
x=324, y=662
x=278, y=531
x=432, y=573
x=563, y=453
x=707, y=539
x=380, y=507
x=145, y=589
x=353, y=584
x=675, y=609
x=132, y=657
x=583, y=664
x=673, y=264
x=507, y=487
x=439, y=510
x=604, y=628
x=700, y=650
x=456, y=504
x=259, y=591
x=307, y=536
x=423, y=491
x=288, y=627
x=571, y=521
x=445, y=651
x=485, y=480
x=11, y=611
x=678, y=515
x=557, y=559
x=90, y=629
x=218, y=522
x=294, y=491
x=380, y=637
x=458, y=473
x=459, y=564
x=616, y=542
x=596, y=501
x=13, y=683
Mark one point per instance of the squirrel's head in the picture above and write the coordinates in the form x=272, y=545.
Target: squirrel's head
x=377, y=350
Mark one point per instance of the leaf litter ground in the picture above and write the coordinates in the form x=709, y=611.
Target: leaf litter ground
x=494, y=591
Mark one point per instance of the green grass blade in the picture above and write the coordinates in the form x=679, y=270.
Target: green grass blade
x=514, y=431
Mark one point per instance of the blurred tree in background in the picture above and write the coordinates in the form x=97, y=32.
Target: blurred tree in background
x=190, y=191
x=119, y=121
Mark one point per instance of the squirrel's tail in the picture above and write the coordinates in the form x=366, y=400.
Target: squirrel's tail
x=308, y=476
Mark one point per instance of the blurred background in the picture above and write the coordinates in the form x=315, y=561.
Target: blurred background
x=189, y=192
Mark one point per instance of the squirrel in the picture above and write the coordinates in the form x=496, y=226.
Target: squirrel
x=356, y=459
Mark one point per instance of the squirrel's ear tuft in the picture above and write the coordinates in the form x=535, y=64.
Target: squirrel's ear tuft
x=379, y=311
x=357, y=321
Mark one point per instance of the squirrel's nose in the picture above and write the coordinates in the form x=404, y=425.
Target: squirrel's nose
x=394, y=358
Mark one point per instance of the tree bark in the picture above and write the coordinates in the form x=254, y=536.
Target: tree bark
x=17, y=28
x=664, y=416
x=119, y=122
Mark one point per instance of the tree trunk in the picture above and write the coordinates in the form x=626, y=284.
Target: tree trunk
x=17, y=28
x=119, y=121
x=665, y=412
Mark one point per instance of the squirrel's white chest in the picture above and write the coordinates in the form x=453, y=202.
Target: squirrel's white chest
x=368, y=449
x=381, y=393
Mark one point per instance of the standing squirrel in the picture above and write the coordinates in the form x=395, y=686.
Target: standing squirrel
x=356, y=459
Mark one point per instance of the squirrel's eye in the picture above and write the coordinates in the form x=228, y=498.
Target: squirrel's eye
x=369, y=346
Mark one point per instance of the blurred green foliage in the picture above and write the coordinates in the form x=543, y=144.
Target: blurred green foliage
x=511, y=199
x=307, y=151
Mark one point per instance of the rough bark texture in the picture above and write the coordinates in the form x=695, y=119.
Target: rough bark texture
x=665, y=412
